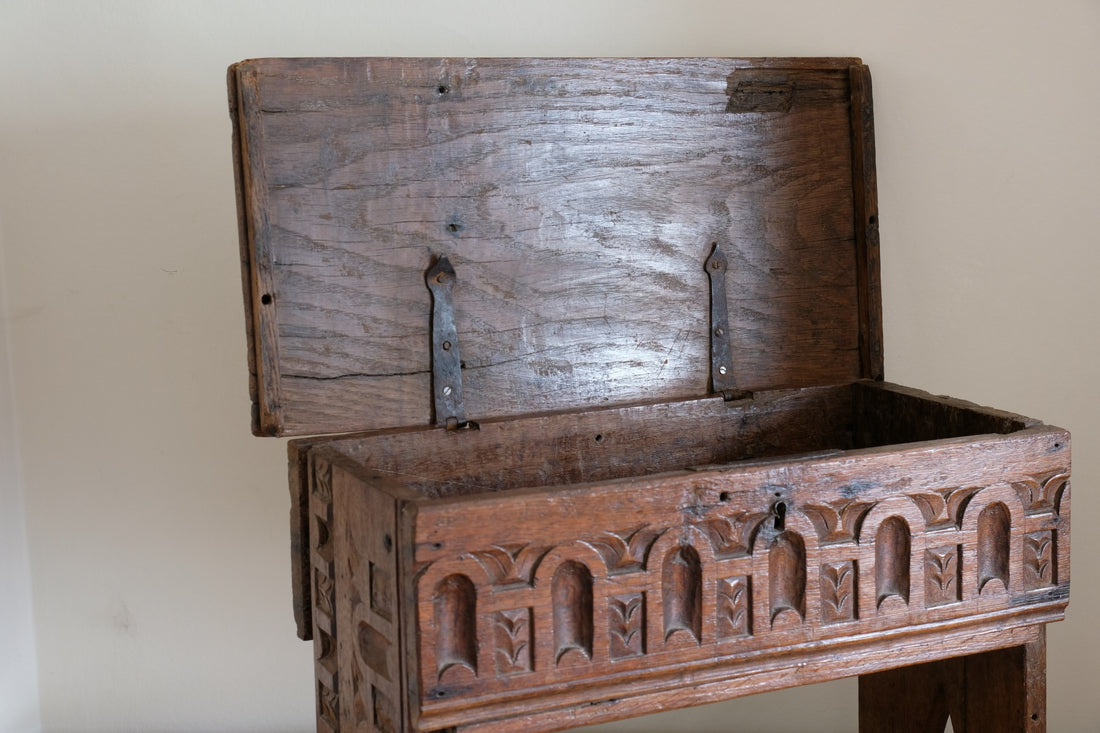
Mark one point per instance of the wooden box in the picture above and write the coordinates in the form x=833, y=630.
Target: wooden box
x=593, y=348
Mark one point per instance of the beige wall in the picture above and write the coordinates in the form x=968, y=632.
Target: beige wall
x=156, y=524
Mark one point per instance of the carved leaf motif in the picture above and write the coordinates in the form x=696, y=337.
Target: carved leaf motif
x=941, y=506
x=383, y=710
x=328, y=704
x=1038, y=493
x=837, y=591
x=732, y=536
x=512, y=564
x=942, y=569
x=325, y=599
x=322, y=481
x=941, y=573
x=837, y=521
x=626, y=550
x=359, y=705
x=733, y=605
x=1038, y=559
x=512, y=633
x=625, y=625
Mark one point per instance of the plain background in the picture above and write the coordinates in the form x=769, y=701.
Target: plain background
x=144, y=572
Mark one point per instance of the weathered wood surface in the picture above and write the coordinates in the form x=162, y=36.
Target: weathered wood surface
x=555, y=606
x=577, y=200
x=1002, y=690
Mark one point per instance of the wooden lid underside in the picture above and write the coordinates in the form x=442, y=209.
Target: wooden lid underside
x=577, y=200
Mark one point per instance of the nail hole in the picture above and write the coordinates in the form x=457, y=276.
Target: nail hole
x=387, y=542
x=437, y=545
x=440, y=693
x=452, y=227
x=1057, y=445
x=599, y=437
x=443, y=89
x=778, y=494
x=724, y=496
x=872, y=219
x=1035, y=716
x=266, y=298
x=461, y=365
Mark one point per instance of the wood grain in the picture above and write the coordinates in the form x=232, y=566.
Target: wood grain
x=577, y=200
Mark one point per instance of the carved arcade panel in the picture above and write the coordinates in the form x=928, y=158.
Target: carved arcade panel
x=734, y=577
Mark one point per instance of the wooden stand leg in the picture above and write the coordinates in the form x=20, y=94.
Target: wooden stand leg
x=1002, y=690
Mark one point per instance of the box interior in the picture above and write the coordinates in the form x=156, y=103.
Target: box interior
x=645, y=439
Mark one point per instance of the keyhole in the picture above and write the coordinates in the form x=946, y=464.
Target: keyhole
x=780, y=516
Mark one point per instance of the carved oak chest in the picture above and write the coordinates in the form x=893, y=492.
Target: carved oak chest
x=594, y=349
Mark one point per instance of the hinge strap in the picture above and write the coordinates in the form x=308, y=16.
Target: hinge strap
x=721, y=360
x=448, y=409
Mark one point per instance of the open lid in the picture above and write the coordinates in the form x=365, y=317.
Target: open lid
x=577, y=201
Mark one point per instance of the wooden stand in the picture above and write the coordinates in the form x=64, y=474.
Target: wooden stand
x=594, y=351
x=1002, y=690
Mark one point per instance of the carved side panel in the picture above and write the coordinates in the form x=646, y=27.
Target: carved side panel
x=838, y=592
x=734, y=607
x=942, y=582
x=512, y=643
x=364, y=540
x=322, y=574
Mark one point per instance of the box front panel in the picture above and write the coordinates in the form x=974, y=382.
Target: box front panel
x=534, y=601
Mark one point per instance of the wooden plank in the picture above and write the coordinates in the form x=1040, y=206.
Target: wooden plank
x=256, y=256
x=865, y=188
x=605, y=444
x=577, y=199
x=368, y=606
